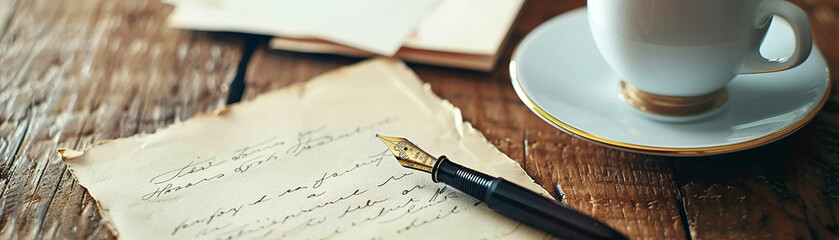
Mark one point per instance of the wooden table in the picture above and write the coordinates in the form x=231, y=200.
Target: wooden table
x=76, y=72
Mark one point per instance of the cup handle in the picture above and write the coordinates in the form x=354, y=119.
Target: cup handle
x=755, y=63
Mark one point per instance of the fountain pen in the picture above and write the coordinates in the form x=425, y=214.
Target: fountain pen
x=500, y=195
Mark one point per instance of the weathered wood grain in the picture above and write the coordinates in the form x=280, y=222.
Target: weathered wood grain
x=76, y=72
x=785, y=190
x=271, y=69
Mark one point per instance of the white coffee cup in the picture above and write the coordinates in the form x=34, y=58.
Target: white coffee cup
x=675, y=57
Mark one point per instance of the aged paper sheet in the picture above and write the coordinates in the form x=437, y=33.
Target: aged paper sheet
x=302, y=163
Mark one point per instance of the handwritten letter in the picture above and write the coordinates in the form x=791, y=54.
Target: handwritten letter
x=302, y=163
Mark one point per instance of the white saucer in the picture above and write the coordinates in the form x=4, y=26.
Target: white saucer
x=559, y=74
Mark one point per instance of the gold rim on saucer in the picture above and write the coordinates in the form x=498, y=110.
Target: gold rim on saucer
x=701, y=151
x=672, y=106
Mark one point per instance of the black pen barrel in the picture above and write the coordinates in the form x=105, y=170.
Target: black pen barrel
x=543, y=213
x=464, y=179
x=521, y=204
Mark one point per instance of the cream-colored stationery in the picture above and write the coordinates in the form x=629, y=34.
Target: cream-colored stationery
x=302, y=163
x=376, y=26
x=459, y=33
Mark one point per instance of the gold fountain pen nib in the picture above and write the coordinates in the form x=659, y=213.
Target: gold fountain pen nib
x=408, y=154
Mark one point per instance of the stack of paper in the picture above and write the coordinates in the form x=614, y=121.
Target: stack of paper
x=459, y=33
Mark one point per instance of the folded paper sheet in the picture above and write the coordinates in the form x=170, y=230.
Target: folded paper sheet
x=458, y=33
x=302, y=163
x=466, y=26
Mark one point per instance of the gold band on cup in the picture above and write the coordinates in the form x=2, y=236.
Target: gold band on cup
x=672, y=105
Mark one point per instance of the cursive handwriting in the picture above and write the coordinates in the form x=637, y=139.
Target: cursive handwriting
x=307, y=210
x=417, y=222
x=382, y=212
x=437, y=192
x=190, y=168
x=230, y=212
x=415, y=187
x=323, y=214
x=311, y=139
x=414, y=208
x=243, y=153
x=244, y=166
x=170, y=188
x=206, y=231
x=369, y=203
x=375, y=161
x=309, y=223
x=186, y=223
x=248, y=228
x=394, y=178
x=268, y=223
